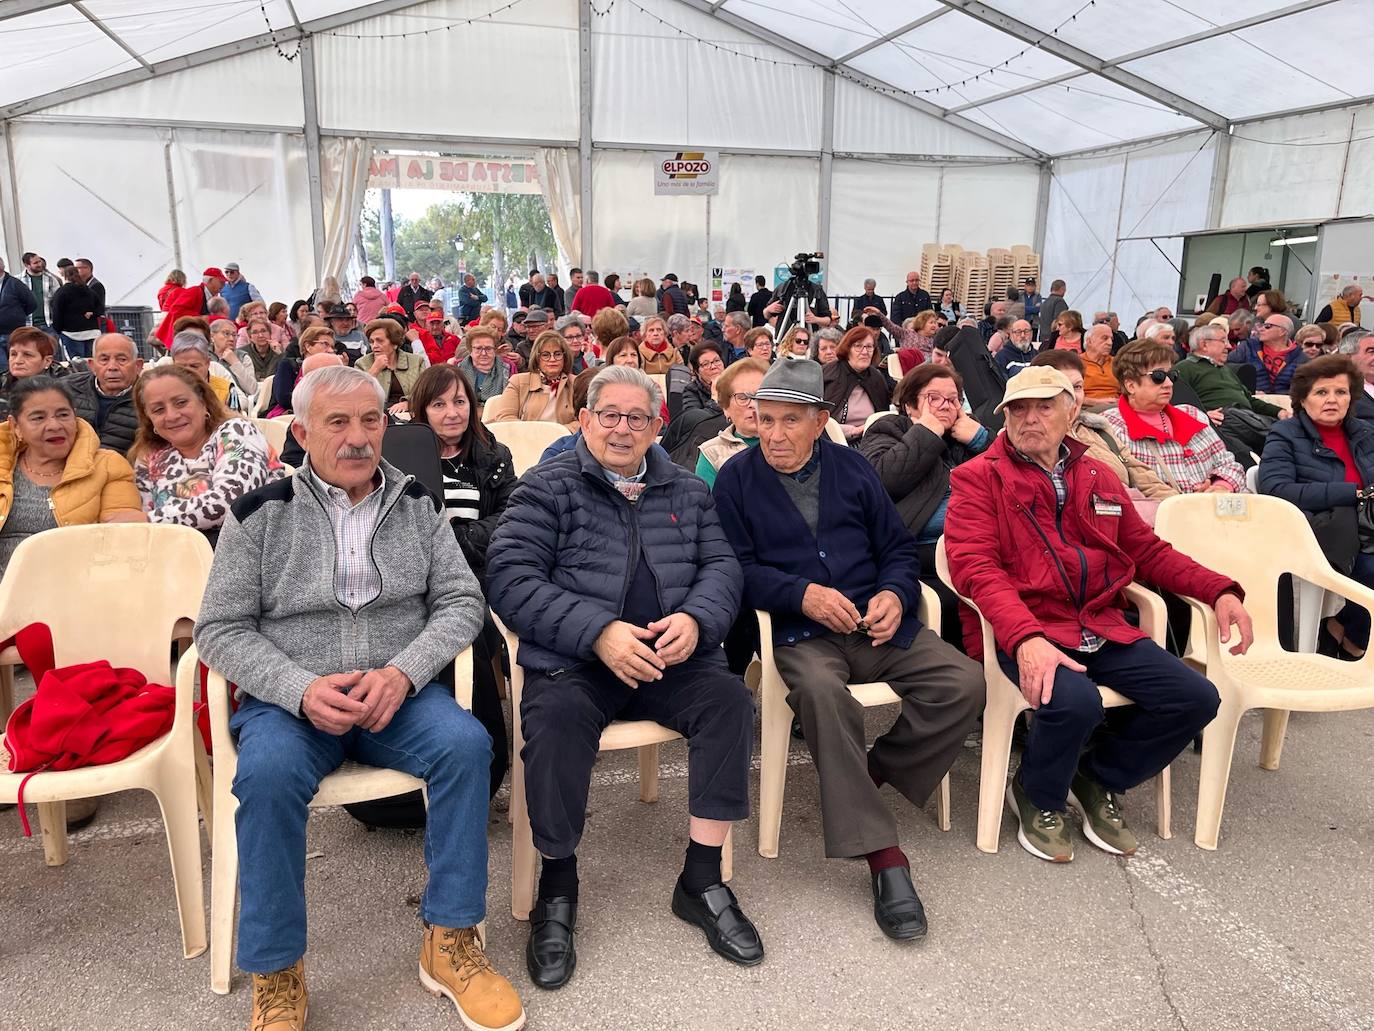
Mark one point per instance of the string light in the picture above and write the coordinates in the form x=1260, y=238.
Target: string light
x=408, y=34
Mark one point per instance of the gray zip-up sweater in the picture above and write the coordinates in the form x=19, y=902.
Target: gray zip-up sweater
x=270, y=621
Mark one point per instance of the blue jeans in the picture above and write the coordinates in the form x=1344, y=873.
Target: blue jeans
x=283, y=758
x=76, y=348
x=1355, y=618
x=1172, y=705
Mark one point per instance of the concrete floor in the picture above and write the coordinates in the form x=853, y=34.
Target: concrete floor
x=1269, y=933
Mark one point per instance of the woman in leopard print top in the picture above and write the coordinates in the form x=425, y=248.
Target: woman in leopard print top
x=191, y=459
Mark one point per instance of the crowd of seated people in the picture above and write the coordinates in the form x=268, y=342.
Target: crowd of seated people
x=742, y=500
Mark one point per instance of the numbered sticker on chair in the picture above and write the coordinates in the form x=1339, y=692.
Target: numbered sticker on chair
x=1233, y=505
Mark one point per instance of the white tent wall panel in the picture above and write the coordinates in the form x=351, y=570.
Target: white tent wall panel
x=868, y=122
x=988, y=206
x=230, y=187
x=653, y=86
x=881, y=213
x=1095, y=200
x=256, y=88
x=98, y=192
x=1357, y=195
x=534, y=45
x=1290, y=169
x=766, y=211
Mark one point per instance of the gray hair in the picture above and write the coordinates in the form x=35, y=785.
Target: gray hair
x=741, y=320
x=1155, y=329
x=190, y=340
x=1350, y=289
x=870, y=284
x=624, y=375
x=1289, y=321
x=828, y=333
x=218, y=306
x=677, y=323
x=339, y=379
x=592, y=276
x=1350, y=343
x=1200, y=333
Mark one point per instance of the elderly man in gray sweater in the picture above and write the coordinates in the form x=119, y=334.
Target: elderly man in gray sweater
x=335, y=598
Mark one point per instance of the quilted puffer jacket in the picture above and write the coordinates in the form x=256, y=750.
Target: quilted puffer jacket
x=561, y=560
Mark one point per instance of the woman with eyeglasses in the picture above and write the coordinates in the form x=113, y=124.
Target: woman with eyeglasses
x=544, y=394
x=854, y=386
x=735, y=389
x=1177, y=442
x=914, y=451
x=758, y=343
x=708, y=363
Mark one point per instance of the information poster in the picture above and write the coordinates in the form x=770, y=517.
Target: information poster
x=723, y=278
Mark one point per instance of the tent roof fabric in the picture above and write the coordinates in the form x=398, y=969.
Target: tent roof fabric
x=1056, y=76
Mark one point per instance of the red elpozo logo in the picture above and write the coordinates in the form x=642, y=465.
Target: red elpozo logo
x=686, y=164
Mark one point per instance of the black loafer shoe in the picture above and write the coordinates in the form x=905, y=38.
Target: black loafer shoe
x=549, y=954
x=896, y=906
x=717, y=913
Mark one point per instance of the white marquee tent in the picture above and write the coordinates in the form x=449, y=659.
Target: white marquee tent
x=148, y=134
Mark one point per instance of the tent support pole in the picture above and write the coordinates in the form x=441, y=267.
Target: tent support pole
x=1221, y=168
x=584, y=130
x=312, y=154
x=1345, y=165
x=9, y=195
x=1042, y=209
x=1116, y=247
x=172, y=200
x=827, y=163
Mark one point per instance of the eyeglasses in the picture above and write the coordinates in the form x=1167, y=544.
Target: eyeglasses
x=741, y=398
x=550, y=355
x=938, y=400
x=636, y=421
x=1021, y=332
x=1158, y=376
x=710, y=363
x=861, y=348
x=484, y=350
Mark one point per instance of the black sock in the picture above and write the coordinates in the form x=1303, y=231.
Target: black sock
x=702, y=868
x=558, y=878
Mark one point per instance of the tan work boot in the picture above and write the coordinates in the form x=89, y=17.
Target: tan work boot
x=453, y=964
x=280, y=1001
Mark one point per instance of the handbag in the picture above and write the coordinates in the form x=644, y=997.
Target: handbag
x=1342, y=533
x=1364, y=508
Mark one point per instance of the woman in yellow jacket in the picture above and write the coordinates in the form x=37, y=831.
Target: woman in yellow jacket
x=53, y=471
x=542, y=395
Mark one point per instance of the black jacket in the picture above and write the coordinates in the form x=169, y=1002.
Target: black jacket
x=121, y=421
x=495, y=471
x=695, y=396
x=408, y=296
x=68, y=307
x=907, y=304
x=759, y=300
x=913, y=464
x=16, y=303
x=673, y=301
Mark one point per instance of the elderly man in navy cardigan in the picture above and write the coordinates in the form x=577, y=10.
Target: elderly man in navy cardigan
x=824, y=550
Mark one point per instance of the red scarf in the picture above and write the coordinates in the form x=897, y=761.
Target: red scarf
x=1182, y=426
x=1275, y=362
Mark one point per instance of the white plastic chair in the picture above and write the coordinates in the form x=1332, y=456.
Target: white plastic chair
x=644, y=735
x=777, y=728
x=526, y=440
x=1254, y=541
x=876, y=416
x=262, y=400
x=661, y=379
x=274, y=431
x=833, y=431
x=1005, y=702
x=119, y=592
x=351, y=782
x=894, y=366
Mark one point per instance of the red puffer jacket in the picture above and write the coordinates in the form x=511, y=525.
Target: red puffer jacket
x=1033, y=572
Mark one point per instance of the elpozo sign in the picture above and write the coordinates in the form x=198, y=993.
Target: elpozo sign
x=687, y=173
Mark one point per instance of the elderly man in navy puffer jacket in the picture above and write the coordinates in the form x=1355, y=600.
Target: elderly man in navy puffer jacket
x=611, y=566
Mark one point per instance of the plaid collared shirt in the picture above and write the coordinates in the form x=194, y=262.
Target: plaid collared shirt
x=1087, y=640
x=1185, y=467
x=357, y=580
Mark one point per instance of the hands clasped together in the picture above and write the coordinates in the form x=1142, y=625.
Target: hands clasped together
x=338, y=702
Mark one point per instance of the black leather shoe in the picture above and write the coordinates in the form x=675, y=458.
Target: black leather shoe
x=549, y=954
x=717, y=912
x=896, y=906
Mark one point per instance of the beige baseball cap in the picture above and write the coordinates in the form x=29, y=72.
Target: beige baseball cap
x=1036, y=381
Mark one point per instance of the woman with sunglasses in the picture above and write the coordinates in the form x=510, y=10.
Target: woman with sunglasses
x=544, y=394
x=1176, y=441
x=798, y=343
x=914, y=452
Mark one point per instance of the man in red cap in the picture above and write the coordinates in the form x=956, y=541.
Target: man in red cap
x=189, y=300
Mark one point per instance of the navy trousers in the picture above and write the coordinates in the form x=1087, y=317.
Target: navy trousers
x=1172, y=705
x=562, y=715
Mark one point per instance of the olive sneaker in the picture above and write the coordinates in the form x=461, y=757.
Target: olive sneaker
x=1044, y=833
x=1103, y=823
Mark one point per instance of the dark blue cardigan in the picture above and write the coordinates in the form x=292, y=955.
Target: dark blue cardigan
x=861, y=545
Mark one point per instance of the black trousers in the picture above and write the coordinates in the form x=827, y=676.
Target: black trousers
x=562, y=715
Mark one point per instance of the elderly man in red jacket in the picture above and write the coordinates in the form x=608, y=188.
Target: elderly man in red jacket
x=1042, y=539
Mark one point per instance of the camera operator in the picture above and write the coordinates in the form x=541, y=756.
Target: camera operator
x=818, y=314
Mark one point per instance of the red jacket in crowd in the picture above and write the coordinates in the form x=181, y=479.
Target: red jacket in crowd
x=441, y=350
x=1033, y=572
x=176, y=302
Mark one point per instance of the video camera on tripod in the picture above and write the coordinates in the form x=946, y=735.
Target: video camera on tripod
x=797, y=291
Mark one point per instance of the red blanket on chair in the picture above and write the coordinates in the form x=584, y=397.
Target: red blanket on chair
x=85, y=715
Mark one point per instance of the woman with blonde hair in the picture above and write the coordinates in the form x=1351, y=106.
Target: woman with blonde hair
x=192, y=457
x=644, y=302
x=544, y=394
x=608, y=326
